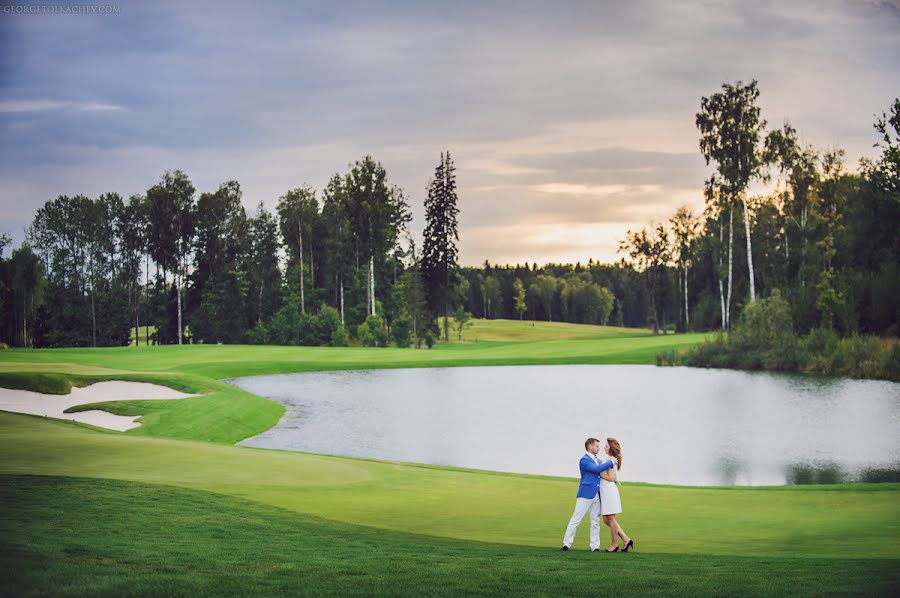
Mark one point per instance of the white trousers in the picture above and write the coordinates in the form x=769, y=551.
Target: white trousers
x=582, y=506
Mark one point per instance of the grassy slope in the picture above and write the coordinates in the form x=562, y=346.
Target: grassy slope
x=170, y=541
x=733, y=534
x=465, y=504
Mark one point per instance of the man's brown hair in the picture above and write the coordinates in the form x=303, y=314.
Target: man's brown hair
x=589, y=442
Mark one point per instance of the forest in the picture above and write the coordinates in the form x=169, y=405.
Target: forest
x=340, y=265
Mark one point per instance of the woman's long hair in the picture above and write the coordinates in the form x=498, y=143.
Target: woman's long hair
x=615, y=449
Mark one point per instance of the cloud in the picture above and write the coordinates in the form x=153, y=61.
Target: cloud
x=44, y=105
x=574, y=115
x=596, y=190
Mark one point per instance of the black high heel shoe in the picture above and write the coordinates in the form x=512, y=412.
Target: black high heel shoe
x=627, y=546
x=616, y=550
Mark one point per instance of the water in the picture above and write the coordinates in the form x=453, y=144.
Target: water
x=676, y=425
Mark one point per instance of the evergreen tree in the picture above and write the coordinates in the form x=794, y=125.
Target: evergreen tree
x=439, y=253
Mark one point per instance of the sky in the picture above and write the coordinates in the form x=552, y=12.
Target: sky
x=569, y=122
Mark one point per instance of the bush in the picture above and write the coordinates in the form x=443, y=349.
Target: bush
x=892, y=361
x=880, y=475
x=330, y=326
x=401, y=331
x=282, y=328
x=859, y=357
x=340, y=338
x=258, y=335
x=371, y=333
x=755, y=345
x=710, y=354
x=824, y=473
x=290, y=327
x=3, y=346
x=428, y=337
x=764, y=336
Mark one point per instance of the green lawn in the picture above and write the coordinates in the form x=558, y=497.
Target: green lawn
x=159, y=510
x=116, y=539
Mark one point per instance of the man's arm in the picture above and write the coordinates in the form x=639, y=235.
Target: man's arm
x=588, y=465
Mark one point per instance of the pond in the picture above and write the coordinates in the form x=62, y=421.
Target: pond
x=676, y=425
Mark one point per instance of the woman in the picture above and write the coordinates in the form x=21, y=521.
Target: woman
x=610, y=502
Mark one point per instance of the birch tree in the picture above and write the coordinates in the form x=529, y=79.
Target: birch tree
x=731, y=129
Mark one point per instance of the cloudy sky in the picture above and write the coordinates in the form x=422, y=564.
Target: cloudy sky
x=570, y=122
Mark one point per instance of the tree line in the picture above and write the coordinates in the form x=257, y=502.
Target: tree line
x=322, y=268
x=340, y=265
x=827, y=239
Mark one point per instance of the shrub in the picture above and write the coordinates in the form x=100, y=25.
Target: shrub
x=340, y=338
x=710, y=354
x=880, y=475
x=283, y=327
x=428, y=337
x=401, y=331
x=764, y=337
x=892, y=361
x=258, y=335
x=371, y=333
x=823, y=473
x=330, y=325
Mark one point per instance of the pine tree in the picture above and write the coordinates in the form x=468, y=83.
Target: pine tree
x=439, y=252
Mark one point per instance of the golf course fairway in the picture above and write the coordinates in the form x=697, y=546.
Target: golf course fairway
x=173, y=507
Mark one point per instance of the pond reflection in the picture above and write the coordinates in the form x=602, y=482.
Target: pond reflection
x=676, y=425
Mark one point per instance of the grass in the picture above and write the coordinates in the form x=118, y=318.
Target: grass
x=160, y=509
x=143, y=333
x=143, y=539
x=466, y=504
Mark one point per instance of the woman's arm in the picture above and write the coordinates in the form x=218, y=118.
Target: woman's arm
x=589, y=465
x=609, y=475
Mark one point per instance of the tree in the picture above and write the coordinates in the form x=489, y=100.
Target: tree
x=801, y=166
x=378, y=214
x=23, y=287
x=684, y=229
x=219, y=286
x=371, y=332
x=261, y=265
x=440, y=253
x=545, y=287
x=520, y=304
x=730, y=131
x=650, y=252
x=133, y=233
x=401, y=330
x=171, y=229
x=414, y=292
x=461, y=320
x=338, y=243
x=298, y=211
x=491, y=289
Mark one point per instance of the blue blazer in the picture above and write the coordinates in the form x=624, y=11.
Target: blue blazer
x=590, y=477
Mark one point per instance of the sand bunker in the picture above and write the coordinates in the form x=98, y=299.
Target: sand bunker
x=25, y=401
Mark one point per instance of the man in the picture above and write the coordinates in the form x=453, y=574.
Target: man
x=588, y=497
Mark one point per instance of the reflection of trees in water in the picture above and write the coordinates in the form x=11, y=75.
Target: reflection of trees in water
x=814, y=473
x=831, y=473
x=881, y=474
x=729, y=469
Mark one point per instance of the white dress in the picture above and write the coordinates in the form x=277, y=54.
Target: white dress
x=610, y=503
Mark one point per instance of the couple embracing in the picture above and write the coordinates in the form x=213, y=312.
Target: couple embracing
x=599, y=494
